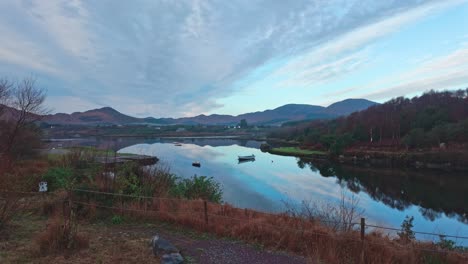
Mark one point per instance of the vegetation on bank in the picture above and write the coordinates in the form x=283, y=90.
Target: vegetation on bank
x=424, y=121
x=326, y=229
x=83, y=191
x=295, y=151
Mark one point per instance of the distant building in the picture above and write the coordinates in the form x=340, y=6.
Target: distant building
x=181, y=129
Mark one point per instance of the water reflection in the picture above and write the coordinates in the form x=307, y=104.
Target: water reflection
x=438, y=201
x=434, y=192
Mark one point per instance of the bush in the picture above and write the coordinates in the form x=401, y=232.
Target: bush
x=60, y=235
x=117, y=220
x=59, y=178
x=407, y=233
x=198, y=187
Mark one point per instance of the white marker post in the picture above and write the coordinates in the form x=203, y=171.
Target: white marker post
x=43, y=187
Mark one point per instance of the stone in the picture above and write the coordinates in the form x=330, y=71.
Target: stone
x=173, y=258
x=161, y=246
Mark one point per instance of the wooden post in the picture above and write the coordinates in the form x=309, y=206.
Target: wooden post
x=363, y=228
x=206, y=211
x=363, y=232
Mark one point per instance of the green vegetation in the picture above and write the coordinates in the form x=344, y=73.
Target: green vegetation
x=426, y=121
x=117, y=220
x=407, y=234
x=198, y=187
x=294, y=151
x=58, y=178
x=159, y=181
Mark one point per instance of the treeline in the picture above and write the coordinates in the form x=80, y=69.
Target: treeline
x=434, y=119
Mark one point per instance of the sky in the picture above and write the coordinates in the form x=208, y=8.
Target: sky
x=166, y=58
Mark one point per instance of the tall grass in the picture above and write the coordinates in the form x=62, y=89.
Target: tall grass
x=294, y=233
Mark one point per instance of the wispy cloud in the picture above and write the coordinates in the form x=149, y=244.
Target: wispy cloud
x=177, y=58
x=445, y=72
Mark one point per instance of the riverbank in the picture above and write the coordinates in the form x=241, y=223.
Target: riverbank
x=430, y=159
x=298, y=152
x=447, y=160
x=134, y=195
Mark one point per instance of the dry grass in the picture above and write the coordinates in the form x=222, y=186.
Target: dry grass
x=106, y=244
x=61, y=234
x=283, y=232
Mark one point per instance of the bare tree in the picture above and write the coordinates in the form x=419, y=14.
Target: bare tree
x=28, y=101
x=5, y=92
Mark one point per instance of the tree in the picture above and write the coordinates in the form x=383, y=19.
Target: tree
x=27, y=100
x=5, y=88
x=243, y=123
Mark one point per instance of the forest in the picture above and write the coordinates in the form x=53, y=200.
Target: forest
x=432, y=120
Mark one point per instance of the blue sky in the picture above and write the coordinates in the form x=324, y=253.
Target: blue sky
x=182, y=58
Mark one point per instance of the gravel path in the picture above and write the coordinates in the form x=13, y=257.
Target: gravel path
x=199, y=249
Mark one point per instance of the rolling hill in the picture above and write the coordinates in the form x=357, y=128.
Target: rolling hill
x=275, y=117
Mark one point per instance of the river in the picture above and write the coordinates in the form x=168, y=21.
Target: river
x=438, y=201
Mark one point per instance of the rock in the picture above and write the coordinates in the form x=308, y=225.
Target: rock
x=173, y=258
x=162, y=247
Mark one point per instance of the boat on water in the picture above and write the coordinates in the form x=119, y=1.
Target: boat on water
x=245, y=161
x=196, y=164
x=178, y=144
x=242, y=158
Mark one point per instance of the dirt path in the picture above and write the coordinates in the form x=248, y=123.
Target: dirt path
x=200, y=248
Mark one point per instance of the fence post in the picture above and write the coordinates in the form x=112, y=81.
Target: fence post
x=363, y=232
x=363, y=228
x=206, y=211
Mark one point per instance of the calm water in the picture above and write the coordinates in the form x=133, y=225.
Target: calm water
x=438, y=201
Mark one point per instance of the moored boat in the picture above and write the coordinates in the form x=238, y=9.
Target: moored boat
x=251, y=157
x=196, y=164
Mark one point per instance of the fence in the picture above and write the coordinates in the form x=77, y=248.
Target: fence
x=204, y=215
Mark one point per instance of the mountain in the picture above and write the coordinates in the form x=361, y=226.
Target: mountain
x=105, y=115
x=348, y=106
x=275, y=117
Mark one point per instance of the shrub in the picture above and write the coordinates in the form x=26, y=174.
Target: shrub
x=198, y=187
x=60, y=235
x=407, y=233
x=117, y=220
x=59, y=178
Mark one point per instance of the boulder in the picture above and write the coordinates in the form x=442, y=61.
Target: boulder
x=168, y=253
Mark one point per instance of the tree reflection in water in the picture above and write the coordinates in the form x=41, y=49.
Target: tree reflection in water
x=435, y=192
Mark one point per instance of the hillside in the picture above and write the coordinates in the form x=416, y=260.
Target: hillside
x=348, y=106
x=425, y=121
x=105, y=115
x=277, y=116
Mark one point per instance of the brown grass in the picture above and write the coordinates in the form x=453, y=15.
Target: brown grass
x=283, y=232
x=60, y=235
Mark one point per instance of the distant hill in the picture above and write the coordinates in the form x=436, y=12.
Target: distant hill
x=276, y=117
x=105, y=115
x=348, y=106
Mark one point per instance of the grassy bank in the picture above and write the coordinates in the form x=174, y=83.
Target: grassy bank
x=135, y=194
x=295, y=151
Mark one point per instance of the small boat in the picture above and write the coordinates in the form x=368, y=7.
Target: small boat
x=251, y=157
x=245, y=161
x=196, y=164
x=177, y=144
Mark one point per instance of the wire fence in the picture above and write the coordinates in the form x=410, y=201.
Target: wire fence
x=206, y=212
x=265, y=213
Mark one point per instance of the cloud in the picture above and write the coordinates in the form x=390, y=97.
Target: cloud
x=444, y=72
x=178, y=58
